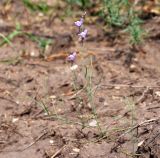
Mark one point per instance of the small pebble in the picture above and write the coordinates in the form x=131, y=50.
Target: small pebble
x=51, y=141
x=93, y=123
x=117, y=87
x=157, y=93
x=52, y=97
x=76, y=150
x=32, y=54
x=15, y=120
x=89, y=106
x=133, y=68
x=105, y=103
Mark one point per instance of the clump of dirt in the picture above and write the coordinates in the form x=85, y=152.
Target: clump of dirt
x=149, y=147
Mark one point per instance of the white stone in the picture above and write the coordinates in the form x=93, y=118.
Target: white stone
x=15, y=120
x=51, y=141
x=157, y=93
x=76, y=150
x=93, y=123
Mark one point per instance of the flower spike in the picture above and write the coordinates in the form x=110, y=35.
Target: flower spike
x=79, y=23
x=83, y=34
x=72, y=57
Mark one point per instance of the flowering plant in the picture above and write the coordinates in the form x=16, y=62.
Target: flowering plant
x=82, y=36
x=88, y=78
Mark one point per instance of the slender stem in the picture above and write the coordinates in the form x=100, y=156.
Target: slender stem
x=90, y=94
x=78, y=97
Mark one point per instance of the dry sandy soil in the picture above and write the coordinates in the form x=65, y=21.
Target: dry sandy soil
x=127, y=96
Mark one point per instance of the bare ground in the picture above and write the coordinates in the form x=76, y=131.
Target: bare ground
x=127, y=97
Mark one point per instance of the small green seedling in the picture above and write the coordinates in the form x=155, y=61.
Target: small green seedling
x=11, y=36
x=120, y=13
x=113, y=12
x=42, y=43
x=40, y=6
x=82, y=3
x=135, y=30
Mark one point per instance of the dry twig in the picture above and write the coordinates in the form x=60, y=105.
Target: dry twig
x=58, y=152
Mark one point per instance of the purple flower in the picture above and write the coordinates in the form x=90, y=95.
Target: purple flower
x=79, y=23
x=83, y=34
x=72, y=57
